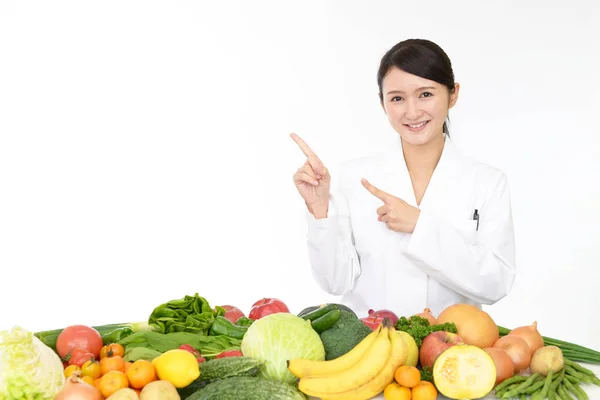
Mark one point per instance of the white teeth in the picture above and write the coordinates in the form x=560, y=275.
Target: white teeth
x=418, y=125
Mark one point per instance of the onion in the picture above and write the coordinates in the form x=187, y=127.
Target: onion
x=531, y=335
x=517, y=349
x=427, y=315
x=77, y=389
x=505, y=367
x=384, y=314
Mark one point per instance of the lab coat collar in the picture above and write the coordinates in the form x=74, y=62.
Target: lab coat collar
x=399, y=179
x=448, y=165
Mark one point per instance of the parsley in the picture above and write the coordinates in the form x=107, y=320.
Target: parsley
x=419, y=327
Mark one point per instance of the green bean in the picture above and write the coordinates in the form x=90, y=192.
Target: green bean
x=574, y=390
x=515, y=379
x=564, y=395
x=571, y=371
x=578, y=367
x=521, y=386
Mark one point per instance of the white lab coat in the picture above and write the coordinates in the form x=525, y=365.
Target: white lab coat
x=446, y=260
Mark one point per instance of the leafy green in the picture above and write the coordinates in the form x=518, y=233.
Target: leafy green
x=156, y=342
x=190, y=314
x=28, y=368
x=419, y=327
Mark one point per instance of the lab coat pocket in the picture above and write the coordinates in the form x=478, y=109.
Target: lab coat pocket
x=468, y=229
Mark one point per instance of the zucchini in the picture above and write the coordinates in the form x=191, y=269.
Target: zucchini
x=326, y=321
x=247, y=388
x=319, y=312
x=314, y=308
x=221, y=368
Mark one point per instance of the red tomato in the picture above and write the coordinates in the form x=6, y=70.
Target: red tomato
x=233, y=313
x=79, y=357
x=266, y=306
x=79, y=337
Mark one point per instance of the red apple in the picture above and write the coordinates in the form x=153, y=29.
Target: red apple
x=372, y=321
x=266, y=306
x=233, y=313
x=434, y=344
x=384, y=314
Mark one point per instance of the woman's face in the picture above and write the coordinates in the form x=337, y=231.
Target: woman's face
x=416, y=107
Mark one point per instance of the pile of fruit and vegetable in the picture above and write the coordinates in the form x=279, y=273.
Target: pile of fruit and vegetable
x=188, y=349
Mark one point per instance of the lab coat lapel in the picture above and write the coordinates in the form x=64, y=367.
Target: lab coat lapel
x=398, y=183
x=441, y=183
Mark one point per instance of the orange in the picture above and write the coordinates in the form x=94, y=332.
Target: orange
x=115, y=363
x=408, y=376
x=393, y=391
x=140, y=374
x=113, y=381
x=89, y=380
x=424, y=391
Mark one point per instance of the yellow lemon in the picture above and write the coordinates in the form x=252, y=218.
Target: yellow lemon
x=411, y=346
x=177, y=366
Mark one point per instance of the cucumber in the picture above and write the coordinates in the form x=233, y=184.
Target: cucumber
x=319, y=312
x=314, y=308
x=326, y=321
x=221, y=368
x=247, y=388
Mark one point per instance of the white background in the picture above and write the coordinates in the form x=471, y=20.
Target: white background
x=145, y=150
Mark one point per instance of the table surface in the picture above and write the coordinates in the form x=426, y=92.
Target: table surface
x=592, y=391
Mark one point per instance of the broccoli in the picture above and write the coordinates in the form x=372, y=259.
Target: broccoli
x=419, y=327
x=344, y=335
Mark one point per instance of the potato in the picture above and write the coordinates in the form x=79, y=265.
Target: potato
x=124, y=394
x=546, y=359
x=159, y=390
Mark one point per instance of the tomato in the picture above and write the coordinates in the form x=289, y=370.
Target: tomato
x=71, y=369
x=79, y=337
x=266, y=306
x=79, y=357
x=91, y=368
x=111, y=350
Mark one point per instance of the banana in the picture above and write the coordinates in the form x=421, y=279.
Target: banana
x=378, y=384
x=302, y=368
x=360, y=373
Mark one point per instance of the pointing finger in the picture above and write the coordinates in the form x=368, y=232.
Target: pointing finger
x=380, y=194
x=314, y=161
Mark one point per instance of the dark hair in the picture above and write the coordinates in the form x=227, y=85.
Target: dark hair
x=418, y=57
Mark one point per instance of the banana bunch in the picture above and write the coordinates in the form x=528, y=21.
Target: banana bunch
x=360, y=374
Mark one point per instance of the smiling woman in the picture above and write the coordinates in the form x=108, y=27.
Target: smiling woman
x=420, y=226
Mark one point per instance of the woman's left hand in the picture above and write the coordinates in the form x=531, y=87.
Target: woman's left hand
x=398, y=215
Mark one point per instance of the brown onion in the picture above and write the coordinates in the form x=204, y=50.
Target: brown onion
x=505, y=367
x=428, y=315
x=77, y=389
x=517, y=349
x=531, y=335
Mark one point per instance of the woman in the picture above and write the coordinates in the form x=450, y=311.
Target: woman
x=421, y=225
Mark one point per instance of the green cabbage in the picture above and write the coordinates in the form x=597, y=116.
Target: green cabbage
x=28, y=368
x=280, y=337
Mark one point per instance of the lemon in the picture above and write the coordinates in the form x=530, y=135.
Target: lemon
x=177, y=366
x=411, y=347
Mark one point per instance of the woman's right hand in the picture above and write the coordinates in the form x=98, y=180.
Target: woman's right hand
x=312, y=180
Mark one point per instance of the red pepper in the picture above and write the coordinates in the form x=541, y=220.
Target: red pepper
x=230, y=353
x=192, y=350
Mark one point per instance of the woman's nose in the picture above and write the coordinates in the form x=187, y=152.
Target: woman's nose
x=412, y=110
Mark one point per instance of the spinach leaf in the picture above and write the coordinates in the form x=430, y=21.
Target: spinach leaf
x=190, y=314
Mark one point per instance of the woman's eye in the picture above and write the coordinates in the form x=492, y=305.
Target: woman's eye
x=396, y=98
x=426, y=94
